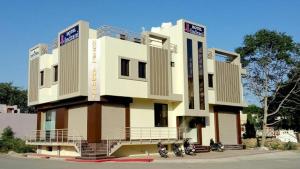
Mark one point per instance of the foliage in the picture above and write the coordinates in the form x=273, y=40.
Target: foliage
x=8, y=142
x=12, y=95
x=7, y=133
x=290, y=146
x=289, y=114
x=269, y=57
x=254, y=115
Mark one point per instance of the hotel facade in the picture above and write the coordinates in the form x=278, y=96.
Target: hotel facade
x=109, y=91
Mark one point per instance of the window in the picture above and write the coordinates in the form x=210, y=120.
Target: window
x=142, y=70
x=210, y=80
x=42, y=78
x=124, y=67
x=201, y=76
x=190, y=73
x=55, y=75
x=161, y=115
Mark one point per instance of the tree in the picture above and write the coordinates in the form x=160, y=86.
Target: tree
x=12, y=95
x=7, y=134
x=288, y=116
x=254, y=115
x=268, y=57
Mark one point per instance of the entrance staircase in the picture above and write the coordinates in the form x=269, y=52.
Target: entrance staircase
x=201, y=149
x=233, y=146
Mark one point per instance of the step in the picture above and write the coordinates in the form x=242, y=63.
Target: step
x=233, y=147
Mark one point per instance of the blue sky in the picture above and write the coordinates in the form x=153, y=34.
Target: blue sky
x=26, y=23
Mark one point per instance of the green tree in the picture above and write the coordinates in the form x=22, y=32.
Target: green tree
x=12, y=95
x=7, y=133
x=268, y=56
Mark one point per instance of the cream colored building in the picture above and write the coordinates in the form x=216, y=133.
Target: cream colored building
x=116, y=92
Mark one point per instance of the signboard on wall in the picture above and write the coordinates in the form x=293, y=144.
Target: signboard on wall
x=69, y=35
x=93, y=70
x=38, y=50
x=193, y=29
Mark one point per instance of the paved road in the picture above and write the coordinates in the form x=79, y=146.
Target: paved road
x=277, y=160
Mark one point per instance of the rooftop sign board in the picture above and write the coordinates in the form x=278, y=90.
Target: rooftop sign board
x=193, y=29
x=69, y=35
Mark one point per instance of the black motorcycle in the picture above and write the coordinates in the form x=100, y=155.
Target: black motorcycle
x=189, y=149
x=162, y=150
x=219, y=147
x=177, y=150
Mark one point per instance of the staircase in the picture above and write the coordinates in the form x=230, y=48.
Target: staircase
x=233, y=147
x=201, y=149
x=93, y=151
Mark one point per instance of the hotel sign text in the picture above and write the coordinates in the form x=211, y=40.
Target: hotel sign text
x=193, y=29
x=69, y=35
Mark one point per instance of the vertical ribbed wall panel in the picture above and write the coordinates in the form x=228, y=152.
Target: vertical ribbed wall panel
x=69, y=68
x=159, y=84
x=227, y=82
x=33, y=80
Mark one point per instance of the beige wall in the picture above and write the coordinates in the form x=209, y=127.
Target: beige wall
x=64, y=151
x=77, y=121
x=110, y=83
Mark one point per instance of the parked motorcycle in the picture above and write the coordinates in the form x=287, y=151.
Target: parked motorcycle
x=216, y=146
x=162, y=150
x=177, y=150
x=189, y=149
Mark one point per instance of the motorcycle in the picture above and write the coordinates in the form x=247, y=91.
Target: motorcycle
x=219, y=147
x=162, y=150
x=189, y=149
x=177, y=150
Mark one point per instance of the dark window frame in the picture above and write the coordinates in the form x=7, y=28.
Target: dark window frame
x=142, y=66
x=211, y=80
x=201, y=75
x=55, y=73
x=160, y=115
x=125, y=67
x=190, y=75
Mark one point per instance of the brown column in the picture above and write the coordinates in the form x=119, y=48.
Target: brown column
x=199, y=132
x=94, y=122
x=61, y=122
x=217, y=127
x=238, y=126
x=127, y=121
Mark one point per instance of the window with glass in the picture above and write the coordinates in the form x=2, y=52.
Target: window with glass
x=190, y=73
x=161, y=115
x=42, y=78
x=124, y=67
x=55, y=74
x=201, y=76
x=142, y=70
x=210, y=80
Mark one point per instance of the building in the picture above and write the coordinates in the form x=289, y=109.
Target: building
x=21, y=123
x=116, y=92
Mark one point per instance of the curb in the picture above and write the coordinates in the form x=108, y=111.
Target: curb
x=144, y=160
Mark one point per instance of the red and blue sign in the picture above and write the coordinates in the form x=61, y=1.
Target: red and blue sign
x=69, y=35
x=193, y=29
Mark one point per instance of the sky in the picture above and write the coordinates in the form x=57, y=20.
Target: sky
x=24, y=24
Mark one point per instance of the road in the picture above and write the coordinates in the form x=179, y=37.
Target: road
x=276, y=160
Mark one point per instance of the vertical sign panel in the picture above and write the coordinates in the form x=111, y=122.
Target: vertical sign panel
x=93, y=70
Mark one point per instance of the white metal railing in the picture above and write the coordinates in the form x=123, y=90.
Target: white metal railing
x=55, y=136
x=139, y=135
